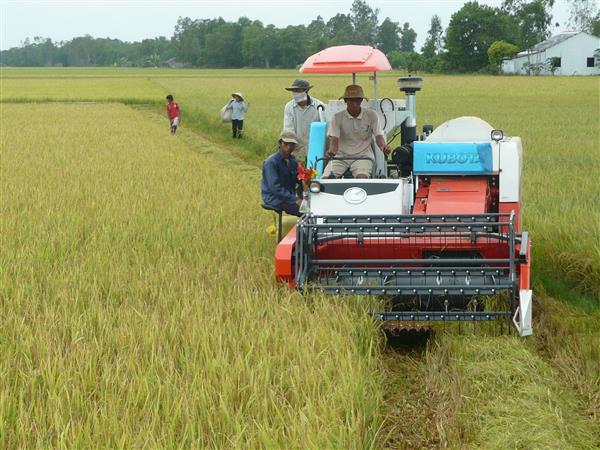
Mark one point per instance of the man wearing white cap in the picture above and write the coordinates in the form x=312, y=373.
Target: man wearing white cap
x=280, y=176
x=299, y=113
x=351, y=132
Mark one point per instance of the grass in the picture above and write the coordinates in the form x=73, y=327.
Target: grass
x=139, y=309
x=570, y=339
x=498, y=393
x=470, y=388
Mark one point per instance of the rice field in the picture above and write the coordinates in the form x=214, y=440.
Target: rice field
x=138, y=307
x=136, y=293
x=557, y=118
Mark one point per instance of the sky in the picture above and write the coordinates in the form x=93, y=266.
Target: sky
x=135, y=20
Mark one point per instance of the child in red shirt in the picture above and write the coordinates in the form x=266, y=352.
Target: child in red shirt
x=172, y=113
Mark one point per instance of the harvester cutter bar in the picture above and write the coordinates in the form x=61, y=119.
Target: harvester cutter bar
x=428, y=261
x=423, y=223
x=402, y=290
x=451, y=316
x=465, y=281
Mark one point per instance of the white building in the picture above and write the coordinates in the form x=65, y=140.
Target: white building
x=574, y=53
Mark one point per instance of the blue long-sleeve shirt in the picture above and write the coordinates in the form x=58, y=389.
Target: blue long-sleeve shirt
x=279, y=179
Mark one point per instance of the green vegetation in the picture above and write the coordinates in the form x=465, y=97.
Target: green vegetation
x=203, y=42
x=498, y=51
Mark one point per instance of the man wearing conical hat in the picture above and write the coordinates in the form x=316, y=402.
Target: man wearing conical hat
x=350, y=133
x=299, y=113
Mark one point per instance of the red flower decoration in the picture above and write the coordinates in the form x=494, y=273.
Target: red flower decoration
x=306, y=173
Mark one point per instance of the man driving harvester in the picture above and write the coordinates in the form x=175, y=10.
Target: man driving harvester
x=350, y=132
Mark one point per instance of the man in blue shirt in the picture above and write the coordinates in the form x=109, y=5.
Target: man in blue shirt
x=280, y=176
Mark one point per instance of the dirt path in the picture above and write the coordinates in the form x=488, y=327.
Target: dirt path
x=409, y=420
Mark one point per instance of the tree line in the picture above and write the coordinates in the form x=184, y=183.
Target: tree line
x=476, y=39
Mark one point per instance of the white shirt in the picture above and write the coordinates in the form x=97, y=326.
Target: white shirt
x=298, y=119
x=238, y=108
x=355, y=133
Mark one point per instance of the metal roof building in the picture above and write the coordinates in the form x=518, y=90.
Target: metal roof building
x=574, y=53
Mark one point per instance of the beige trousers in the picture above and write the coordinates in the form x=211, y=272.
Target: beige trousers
x=338, y=167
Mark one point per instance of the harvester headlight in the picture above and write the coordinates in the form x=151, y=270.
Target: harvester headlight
x=497, y=135
x=314, y=187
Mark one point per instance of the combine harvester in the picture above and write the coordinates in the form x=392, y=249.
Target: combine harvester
x=435, y=230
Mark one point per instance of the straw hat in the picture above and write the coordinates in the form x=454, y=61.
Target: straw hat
x=353, y=91
x=239, y=94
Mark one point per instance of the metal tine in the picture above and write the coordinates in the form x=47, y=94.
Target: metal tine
x=475, y=309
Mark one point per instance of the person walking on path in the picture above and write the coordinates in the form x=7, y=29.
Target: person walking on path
x=172, y=113
x=299, y=113
x=280, y=176
x=239, y=107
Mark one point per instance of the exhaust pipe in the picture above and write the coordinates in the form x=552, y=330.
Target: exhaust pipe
x=410, y=86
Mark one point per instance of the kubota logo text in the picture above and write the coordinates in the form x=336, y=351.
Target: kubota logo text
x=453, y=158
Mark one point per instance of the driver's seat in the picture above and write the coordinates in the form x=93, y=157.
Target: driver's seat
x=380, y=162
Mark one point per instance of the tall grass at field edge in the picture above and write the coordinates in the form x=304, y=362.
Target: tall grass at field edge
x=570, y=340
x=545, y=285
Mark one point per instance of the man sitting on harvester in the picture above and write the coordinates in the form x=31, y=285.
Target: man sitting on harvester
x=351, y=132
x=279, y=176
